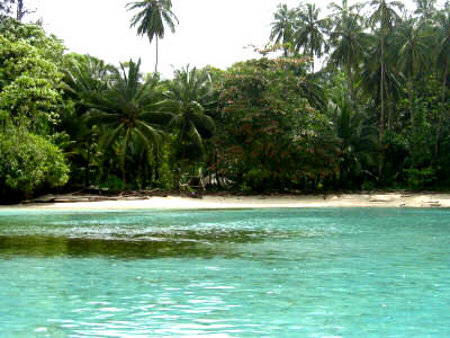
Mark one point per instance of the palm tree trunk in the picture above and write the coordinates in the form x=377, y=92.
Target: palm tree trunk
x=350, y=83
x=443, y=98
x=88, y=160
x=20, y=11
x=388, y=104
x=381, y=132
x=157, y=55
x=157, y=166
x=444, y=80
x=410, y=91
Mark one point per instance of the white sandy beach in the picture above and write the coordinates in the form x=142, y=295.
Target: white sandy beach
x=244, y=202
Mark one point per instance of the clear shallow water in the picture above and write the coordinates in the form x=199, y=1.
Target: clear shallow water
x=309, y=272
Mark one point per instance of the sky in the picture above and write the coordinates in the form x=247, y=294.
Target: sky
x=210, y=32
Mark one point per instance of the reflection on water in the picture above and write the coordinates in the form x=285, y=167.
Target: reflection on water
x=145, y=234
x=189, y=243
x=314, y=272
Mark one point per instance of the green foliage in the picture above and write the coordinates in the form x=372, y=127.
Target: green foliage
x=269, y=136
x=113, y=184
x=151, y=18
x=29, y=76
x=419, y=179
x=187, y=98
x=29, y=162
x=375, y=115
x=127, y=110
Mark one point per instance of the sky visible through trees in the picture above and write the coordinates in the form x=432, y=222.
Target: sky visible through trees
x=204, y=35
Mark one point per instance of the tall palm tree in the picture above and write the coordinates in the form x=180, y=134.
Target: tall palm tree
x=384, y=16
x=442, y=33
x=310, y=33
x=128, y=110
x=412, y=44
x=283, y=27
x=348, y=40
x=187, y=98
x=151, y=19
x=425, y=9
x=442, y=52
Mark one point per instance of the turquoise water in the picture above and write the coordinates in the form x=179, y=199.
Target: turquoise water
x=299, y=273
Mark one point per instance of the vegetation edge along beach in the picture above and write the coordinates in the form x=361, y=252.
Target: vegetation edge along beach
x=354, y=100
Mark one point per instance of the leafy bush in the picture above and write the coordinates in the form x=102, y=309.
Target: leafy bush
x=113, y=183
x=420, y=178
x=29, y=162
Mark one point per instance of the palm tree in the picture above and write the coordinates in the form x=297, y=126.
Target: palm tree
x=425, y=9
x=310, y=34
x=412, y=46
x=283, y=27
x=153, y=15
x=383, y=18
x=348, y=40
x=85, y=77
x=188, y=98
x=442, y=35
x=357, y=141
x=128, y=110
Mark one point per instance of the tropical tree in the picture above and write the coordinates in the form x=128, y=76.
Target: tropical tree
x=269, y=135
x=425, y=9
x=442, y=34
x=283, y=27
x=383, y=17
x=31, y=104
x=85, y=78
x=310, y=33
x=128, y=111
x=6, y=8
x=412, y=44
x=151, y=19
x=357, y=140
x=188, y=98
x=442, y=51
x=348, y=40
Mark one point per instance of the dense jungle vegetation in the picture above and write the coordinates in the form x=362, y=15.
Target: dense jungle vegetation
x=375, y=114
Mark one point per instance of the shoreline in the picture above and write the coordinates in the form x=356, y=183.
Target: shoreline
x=394, y=200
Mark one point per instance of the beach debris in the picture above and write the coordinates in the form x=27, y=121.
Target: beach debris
x=430, y=204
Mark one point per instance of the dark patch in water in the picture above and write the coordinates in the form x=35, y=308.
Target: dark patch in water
x=204, y=244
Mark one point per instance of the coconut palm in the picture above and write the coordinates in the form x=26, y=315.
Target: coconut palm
x=442, y=52
x=384, y=16
x=442, y=34
x=85, y=77
x=412, y=44
x=357, y=141
x=310, y=33
x=151, y=19
x=283, y=27
x=188, y=97
x=425, y=9
x=348, y=40
x=128, y=111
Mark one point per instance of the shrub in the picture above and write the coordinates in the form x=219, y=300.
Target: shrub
x=29, y=162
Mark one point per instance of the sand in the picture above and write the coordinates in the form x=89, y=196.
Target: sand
x=245, y=202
